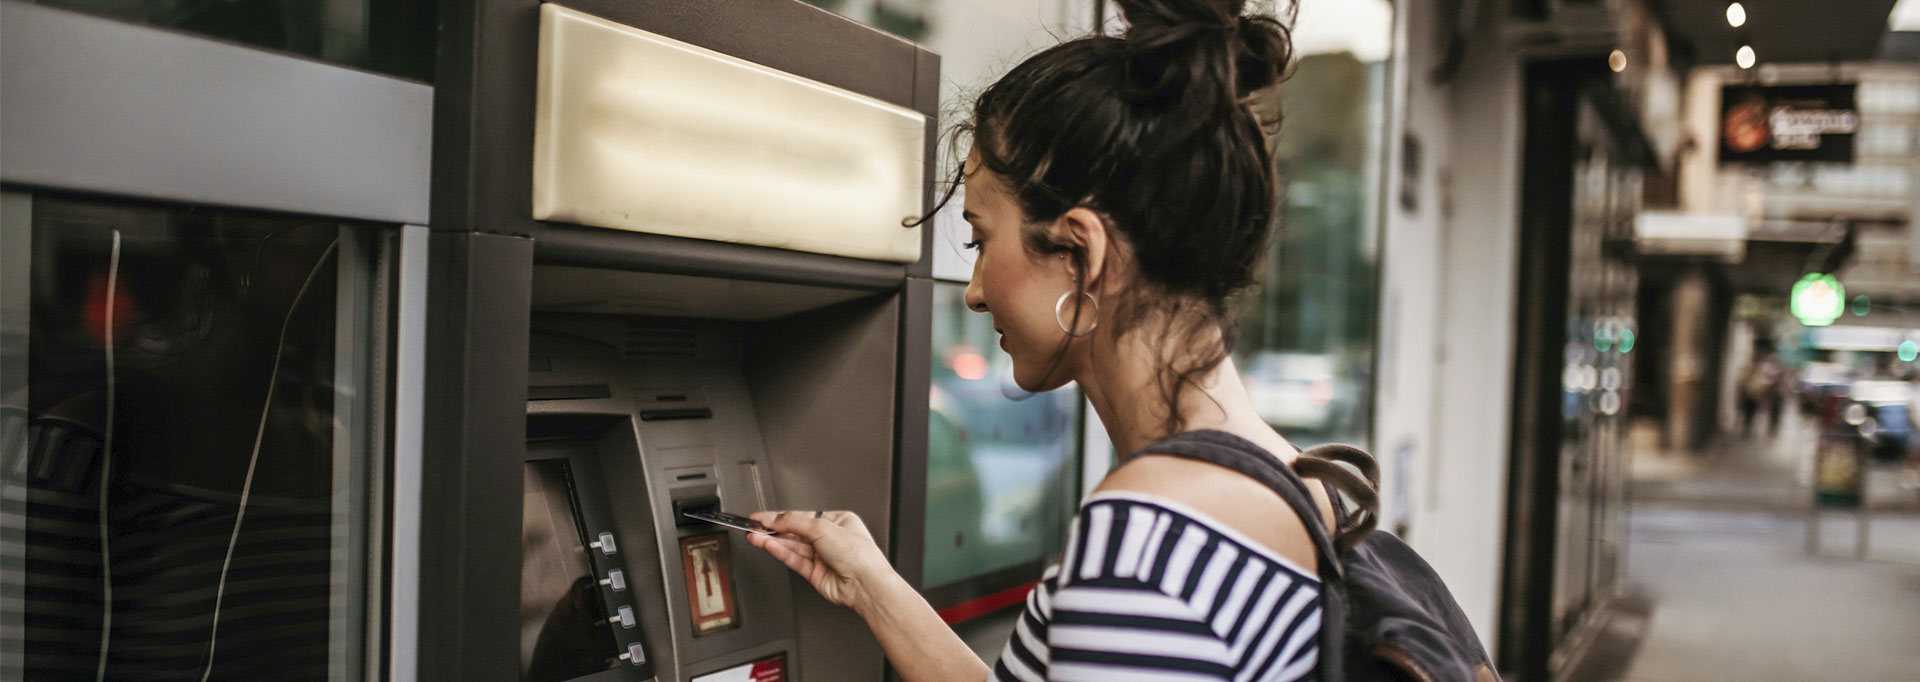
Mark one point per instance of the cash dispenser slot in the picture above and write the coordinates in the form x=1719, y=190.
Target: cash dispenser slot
x=676, y=413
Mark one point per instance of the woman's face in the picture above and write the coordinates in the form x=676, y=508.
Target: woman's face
x=1015, y=285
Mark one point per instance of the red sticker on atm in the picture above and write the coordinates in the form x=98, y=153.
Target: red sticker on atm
x=770, y=669
x=709, y=582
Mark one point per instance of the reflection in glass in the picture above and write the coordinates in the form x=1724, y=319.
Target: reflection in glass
x=1001, y=474
x=563, y=624
x=184, y=453
x=395, y=37
x=909, y=19
x=1307, y=333
x=1597, y=362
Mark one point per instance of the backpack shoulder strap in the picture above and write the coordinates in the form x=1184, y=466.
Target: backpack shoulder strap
x=1323, y=462
x=1239, y=454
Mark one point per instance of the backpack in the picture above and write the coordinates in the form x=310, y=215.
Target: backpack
x=1386, y=615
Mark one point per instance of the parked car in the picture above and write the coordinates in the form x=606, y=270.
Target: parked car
x=1300, y=391
x=1820, y=380
x=1887, y=430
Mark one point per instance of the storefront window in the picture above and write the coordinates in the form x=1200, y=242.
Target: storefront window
x=190, y=437
x=1001, y=474
x=394, y=37
x=1307, y=334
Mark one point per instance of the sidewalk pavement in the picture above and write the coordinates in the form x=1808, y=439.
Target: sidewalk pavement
x=1753, y=473
x=1721, y=586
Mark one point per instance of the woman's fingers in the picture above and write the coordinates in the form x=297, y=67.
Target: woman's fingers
x=791, y=544
x=807, y=525
x=758, y=540
x=849, y=521
x=796, y=555
x=799, y=548
x=787, y=522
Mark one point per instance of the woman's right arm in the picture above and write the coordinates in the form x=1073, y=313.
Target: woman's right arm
x=835, y=553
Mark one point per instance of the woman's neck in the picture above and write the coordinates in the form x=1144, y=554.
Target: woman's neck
x=1123, y=386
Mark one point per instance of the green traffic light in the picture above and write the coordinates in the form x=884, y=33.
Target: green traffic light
x=1909, y=350
x=1861, y=305
x=1818, y=299
x=1626, y=341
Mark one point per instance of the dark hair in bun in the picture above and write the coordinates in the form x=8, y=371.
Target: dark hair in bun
x=1153, y=130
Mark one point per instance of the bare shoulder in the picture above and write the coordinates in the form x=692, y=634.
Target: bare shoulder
x=1245, y=505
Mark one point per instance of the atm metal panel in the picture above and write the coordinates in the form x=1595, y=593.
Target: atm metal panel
x=673, y=460
x=473, y=442
x=585, y=247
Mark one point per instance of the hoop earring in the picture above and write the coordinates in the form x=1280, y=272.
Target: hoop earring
x=1059, y=309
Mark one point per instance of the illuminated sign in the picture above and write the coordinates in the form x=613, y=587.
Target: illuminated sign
x=1787, y=123
x=637, y=131
x=1818, y=300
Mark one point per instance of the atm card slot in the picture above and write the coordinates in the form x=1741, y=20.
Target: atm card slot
x=704, y=503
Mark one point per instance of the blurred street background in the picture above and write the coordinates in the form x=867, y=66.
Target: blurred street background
x=1623, y=294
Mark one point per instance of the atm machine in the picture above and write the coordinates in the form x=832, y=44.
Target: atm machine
x=672, y=239
x=389, y=339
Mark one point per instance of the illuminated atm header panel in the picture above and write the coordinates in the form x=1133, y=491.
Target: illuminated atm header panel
x=636, y=131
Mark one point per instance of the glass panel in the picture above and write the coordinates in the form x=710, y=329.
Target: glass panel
x=395, y=37
x=1001, y=478
x=1003, y=475
x=189, y=460
x=1596, y=374
x=909, y=19
x=1307, y=336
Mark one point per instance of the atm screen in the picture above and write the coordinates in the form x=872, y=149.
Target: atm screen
x=563, y=622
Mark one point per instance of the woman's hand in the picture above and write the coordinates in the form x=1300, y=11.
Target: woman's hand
x=832, y=550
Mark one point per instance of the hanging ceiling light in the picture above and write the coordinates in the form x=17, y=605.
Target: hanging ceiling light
x=1744, y=57
x=1736, y=14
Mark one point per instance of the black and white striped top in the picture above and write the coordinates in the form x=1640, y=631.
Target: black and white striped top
x=1152, y=590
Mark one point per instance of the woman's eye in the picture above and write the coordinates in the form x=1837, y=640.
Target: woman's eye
x=974, y=245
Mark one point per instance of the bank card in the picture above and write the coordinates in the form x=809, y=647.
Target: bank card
x=734, y=521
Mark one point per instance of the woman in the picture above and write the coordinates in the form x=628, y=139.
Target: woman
x=1119, y=190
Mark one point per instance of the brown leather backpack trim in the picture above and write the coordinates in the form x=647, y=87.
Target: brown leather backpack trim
x=1404, y=661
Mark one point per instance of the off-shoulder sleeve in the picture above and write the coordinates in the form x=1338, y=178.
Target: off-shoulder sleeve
x=1151, y=592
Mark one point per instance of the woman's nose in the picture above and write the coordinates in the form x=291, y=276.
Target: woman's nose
x=976, y=298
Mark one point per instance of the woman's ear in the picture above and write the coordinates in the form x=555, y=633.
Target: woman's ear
x=1083, y=230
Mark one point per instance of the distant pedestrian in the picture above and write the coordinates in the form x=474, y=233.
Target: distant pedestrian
x=1760, y=387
